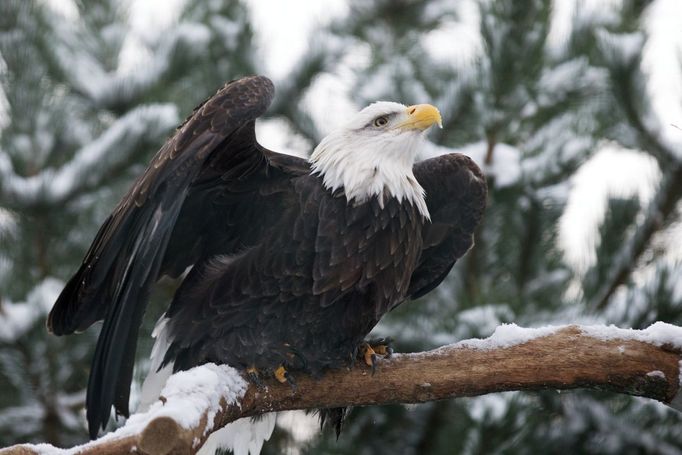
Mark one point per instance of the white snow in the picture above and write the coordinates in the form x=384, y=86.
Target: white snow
x=567, y=14
x=243, y=436
x=662, y=64
x=189, y=396
x=489, y=407
x=465, y=31
x=612, y=172
x=506, y=336
x=91, y=163
x=18, y=318
x=300, y=425
x=285, y=30
x=8, y=223
x=620, y=48
x=658, y=334
x=656, y=374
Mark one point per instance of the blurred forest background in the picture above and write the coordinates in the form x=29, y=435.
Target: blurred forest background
x=573, y=108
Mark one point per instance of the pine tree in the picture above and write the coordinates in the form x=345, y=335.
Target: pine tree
x=79, y=127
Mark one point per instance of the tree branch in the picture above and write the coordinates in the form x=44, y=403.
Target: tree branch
x=634, y=362
x=114, y=148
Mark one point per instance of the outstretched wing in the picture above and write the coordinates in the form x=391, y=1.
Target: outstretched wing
x=214, y=147
x=455, y=196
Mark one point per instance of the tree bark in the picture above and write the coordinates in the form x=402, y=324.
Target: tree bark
x=568, y=358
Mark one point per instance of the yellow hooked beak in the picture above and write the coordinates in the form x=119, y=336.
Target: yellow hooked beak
x=420, y=117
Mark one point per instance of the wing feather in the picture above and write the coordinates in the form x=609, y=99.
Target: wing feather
x=128, y=252
x=456, y=194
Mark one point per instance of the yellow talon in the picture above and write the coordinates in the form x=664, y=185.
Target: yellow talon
x=381, y=349
x=370, y=356
x=281, y=374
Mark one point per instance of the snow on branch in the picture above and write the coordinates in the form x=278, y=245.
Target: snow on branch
x=196, y=402
x=91, y=164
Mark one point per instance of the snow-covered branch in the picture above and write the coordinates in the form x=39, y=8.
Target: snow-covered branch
x=196, y=402
x=90, y=165
x=119, y=90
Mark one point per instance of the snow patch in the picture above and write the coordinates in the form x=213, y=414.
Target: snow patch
x=612, y=172
x=507, y=335
x=92, y=163
x=189, y=395
x=490, y=407
x=465, y=31
x=656, y=374
x=658, y=334
x=8, y=223
x=18, y=318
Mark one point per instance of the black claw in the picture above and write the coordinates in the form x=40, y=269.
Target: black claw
x=290, y=381
x=300, y=357
x=254, y=378
x=385, y=342
x=374, y=364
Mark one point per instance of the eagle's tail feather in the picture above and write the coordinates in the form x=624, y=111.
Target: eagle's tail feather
x=243, y=437
x=158, y=375
x=333, y=417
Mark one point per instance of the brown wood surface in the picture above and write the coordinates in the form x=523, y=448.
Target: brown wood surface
x=567, y=359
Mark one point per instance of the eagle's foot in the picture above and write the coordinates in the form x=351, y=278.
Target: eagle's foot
x=253, y=376
x=282, y=375
x=370, y=350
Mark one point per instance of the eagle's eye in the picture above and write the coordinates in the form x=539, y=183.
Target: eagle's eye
x=380, y=121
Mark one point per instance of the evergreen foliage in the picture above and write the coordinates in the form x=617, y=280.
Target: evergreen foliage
x=77, y=126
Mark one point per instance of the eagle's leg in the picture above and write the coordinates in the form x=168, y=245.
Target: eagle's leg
x=253, y=376
x=382, y=346
x=369, y=350
x=282, y=375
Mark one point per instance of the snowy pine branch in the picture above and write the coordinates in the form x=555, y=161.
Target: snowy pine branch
x=661, y=207
x=291, y=92
x=115, y=148
x=114, y=89
x=199, y=401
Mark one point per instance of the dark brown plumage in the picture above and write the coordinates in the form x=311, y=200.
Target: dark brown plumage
x=285, y=272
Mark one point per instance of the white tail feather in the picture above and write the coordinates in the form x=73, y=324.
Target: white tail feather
x=156, y=379
x=243, y=437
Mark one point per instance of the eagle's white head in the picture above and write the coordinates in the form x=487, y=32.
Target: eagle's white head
x=373, y=154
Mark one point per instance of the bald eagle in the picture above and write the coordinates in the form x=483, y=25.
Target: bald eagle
x=293, y=261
